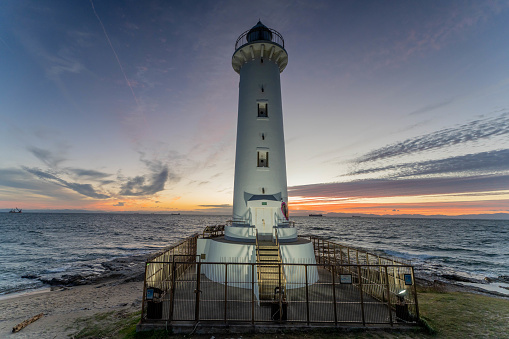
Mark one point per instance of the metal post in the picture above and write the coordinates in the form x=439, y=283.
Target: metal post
x=280, y=293
x=172, y=294
x=333, y=268
x=415, y=294
x=388, y=295
x=349, y=267
x=252, y=294
x=328, y=251
x=144, y=292
x=341, y=257
x=225, y=290
x=362, y=296
x=198, y=292
x=307, y=293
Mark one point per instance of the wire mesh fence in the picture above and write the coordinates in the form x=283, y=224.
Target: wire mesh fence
x=353, y=287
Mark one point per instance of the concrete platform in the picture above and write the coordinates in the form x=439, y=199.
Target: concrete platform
x=227, y=309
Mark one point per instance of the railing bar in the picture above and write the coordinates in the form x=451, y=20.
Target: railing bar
x=225, y=291
x=307, y=293
x=415, y=294
x=252, y=294
x=334, y=293
x=361, y=295
x=388, y=296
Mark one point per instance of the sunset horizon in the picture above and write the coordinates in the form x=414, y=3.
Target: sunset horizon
x=122, y=107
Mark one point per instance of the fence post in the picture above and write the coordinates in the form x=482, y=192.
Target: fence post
x=388, y=295
x=307, y=293
x=172, y=294
x=415, y=294
x=280, y=293
x=333, y=269
x=341, y=257
x=225, y=291
x=252, y=294
x=198, y=292
x=328, y=252
x=361, y=293
x=144, y=293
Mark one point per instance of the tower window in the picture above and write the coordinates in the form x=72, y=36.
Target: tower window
x=262, y=110
x=263, y=159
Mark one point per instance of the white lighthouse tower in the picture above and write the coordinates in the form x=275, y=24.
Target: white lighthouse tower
x=260, y=231
x=260, y=195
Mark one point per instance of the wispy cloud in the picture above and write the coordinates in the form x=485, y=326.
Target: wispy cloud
x=120, y=203
x=84, y=189
x=151, y=183
x=89, y=174
x=473, y=131
x=374, y=188
x=432, y=107
x=48, y=157
x=216, y=206
x=145, y=185
x=483, y=162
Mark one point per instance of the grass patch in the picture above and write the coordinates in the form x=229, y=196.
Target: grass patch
x=118, y=324
x=456, y=315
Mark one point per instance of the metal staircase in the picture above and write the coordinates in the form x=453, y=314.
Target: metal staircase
x=270, y=272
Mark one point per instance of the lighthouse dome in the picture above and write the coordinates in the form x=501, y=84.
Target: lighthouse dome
x=259, y=32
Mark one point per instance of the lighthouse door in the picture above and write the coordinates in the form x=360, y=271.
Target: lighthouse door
x=264, y=220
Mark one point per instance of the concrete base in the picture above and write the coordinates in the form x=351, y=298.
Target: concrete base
x=208, y=327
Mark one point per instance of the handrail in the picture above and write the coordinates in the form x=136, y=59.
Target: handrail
x=280, y=261
x=257, y=249
x=366, y=255
x=276, y=38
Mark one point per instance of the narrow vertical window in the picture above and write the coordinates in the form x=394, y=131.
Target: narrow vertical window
x=263, y=159
x=262, y=110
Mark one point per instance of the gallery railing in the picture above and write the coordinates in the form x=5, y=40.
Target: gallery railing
x=352, y=287
x=274, y=36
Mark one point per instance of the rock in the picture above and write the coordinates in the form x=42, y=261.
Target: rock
x=458, y=278
x=30, y=276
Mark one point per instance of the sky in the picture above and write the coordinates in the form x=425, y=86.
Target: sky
x=390, y=107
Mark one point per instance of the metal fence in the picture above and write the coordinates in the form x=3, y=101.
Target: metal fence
x=353, y=287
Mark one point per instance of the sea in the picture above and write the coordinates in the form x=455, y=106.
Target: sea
x=42, y=246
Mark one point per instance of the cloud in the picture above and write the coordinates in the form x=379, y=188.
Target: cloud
x=431, y=107
x=146, y=185
x=473, y=131
x=120, y=203
x=491, y=161
x=374, y=188
x=89, y=174
x=216, y=206
x=47, y=157
x=84, y=189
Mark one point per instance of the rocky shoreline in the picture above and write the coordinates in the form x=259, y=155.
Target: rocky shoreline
x=119, y=289
x=131, y=269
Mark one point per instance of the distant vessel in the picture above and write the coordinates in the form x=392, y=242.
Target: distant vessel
x=316, y=215
x=15, y=210
x=175, y=214
x=356, y=216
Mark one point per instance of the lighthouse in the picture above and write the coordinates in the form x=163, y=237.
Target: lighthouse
x=260, y=231
x=260, y=194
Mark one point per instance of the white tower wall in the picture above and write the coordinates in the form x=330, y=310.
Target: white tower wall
x=259, y=134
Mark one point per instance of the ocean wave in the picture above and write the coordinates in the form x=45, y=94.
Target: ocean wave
x=409, y=256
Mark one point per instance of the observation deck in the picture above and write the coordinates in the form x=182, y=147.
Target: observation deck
x=260, y=42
